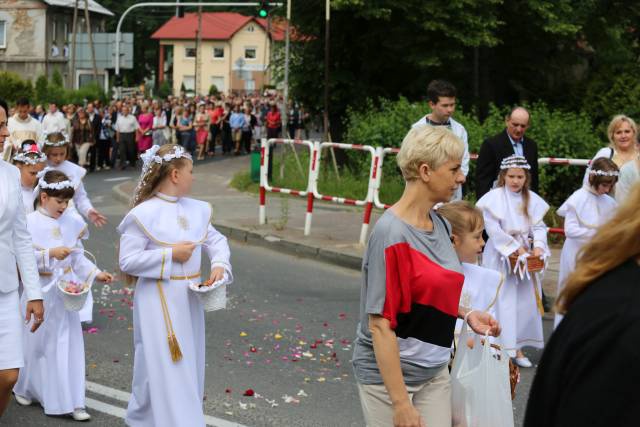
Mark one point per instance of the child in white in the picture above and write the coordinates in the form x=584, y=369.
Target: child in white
x=161, y=244
x=30, y=162
x=54, y=355
x=481, y=284
x=584, y=211
x=513, y=216
x=56, y=148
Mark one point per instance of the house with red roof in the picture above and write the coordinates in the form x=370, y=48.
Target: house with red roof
x=234, y=52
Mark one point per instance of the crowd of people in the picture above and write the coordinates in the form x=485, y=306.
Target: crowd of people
x=426, y=265
x=114, y=135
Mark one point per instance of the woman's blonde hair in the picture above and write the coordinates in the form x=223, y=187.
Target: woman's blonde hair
x=525, y=189
x=156, y=173
x=613, y=244
x=615, y=124
x=428, y=145
x=463, y=217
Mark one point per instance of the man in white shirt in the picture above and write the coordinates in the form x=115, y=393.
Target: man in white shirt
x=21, y=127
x=126, y=127
x=442, y=100
x=53, y=121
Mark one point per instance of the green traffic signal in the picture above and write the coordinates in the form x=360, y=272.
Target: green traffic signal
x=263, y=13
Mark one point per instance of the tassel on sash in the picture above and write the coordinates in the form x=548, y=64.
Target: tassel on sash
x=174, y=346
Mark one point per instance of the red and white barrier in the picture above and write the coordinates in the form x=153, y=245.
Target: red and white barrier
x=367, y=202
x=372, y=198
x=265, y=152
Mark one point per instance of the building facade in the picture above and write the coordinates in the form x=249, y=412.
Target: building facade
x=234, y=53
x=35, y=37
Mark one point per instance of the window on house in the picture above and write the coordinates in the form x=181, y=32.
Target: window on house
x=3, y=34
x=189, y=83
x=54, y=30
x=66, y=32
x=251, y=28
x=218, y=52
x=189, y=52
x=249, y=53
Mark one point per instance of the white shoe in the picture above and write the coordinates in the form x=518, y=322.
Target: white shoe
x=23, y=401
x=523, y=362
x=81, y=415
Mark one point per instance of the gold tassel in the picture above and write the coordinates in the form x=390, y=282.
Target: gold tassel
x=174, y=347
x=537, y=294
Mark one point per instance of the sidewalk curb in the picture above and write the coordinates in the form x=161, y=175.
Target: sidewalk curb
x=266, y=240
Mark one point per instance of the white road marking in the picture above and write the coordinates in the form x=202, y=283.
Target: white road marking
x=120, y=178
x=105, y=407
x=124, y=396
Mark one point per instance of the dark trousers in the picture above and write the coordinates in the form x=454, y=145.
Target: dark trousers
x=188, y=141
x=215, y=133
x=128, y=149
x=93, y=152
x=102, y=152
x=227, y=142
x=245, y=143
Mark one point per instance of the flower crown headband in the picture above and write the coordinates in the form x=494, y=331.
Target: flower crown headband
x=48, y=143
x=30, y=157
x=603, y=173
x=150, y=157
x=43, y=184
x=514, y=161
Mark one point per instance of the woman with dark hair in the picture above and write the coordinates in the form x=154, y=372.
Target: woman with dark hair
x=15, y=249
x=588, y=374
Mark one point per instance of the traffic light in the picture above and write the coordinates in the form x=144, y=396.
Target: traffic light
x=263, y=12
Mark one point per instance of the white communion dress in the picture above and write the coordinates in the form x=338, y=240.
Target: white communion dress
x=518, y=305
x=168, y=393
x=54, y=371
x=584, y=212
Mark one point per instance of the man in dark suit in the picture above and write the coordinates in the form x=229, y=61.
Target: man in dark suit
x=506, y=143
x=96, y=122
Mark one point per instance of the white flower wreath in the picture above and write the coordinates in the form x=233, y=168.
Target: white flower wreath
x=30, y=160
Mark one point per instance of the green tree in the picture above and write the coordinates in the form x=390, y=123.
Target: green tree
x=42, y=89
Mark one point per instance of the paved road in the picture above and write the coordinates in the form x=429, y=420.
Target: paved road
x=286, y=336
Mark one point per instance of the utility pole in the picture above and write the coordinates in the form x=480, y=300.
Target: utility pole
x=196, y=76
x=72, y=77
x=286, y=65
x=93, y=49
x=326, y=69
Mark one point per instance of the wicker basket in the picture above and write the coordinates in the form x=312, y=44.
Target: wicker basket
x=212, y=297
x=534, y=264
x=75, y=302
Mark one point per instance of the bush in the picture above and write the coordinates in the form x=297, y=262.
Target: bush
x=42, y=89
x=87, y=93
x=557, y=133
x=213, y=90
x=164, y=90
x=13, y=87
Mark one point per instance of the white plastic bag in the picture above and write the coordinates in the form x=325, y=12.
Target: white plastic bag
x=480, y=389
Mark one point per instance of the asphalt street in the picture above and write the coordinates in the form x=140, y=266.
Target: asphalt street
x=285, y=338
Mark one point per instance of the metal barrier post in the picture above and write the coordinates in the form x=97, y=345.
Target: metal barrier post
x=264, y=159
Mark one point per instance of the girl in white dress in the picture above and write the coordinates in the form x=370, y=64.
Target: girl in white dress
x=513, y=217
x=481, y=284
x=584, y=212
x=30, y=161
x=161, y=244
x=54, y=371
x=56, y=148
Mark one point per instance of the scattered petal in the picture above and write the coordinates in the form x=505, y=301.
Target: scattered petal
x=277, y=336
x=243, y=334
x=248, y=392
x=301, y=393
